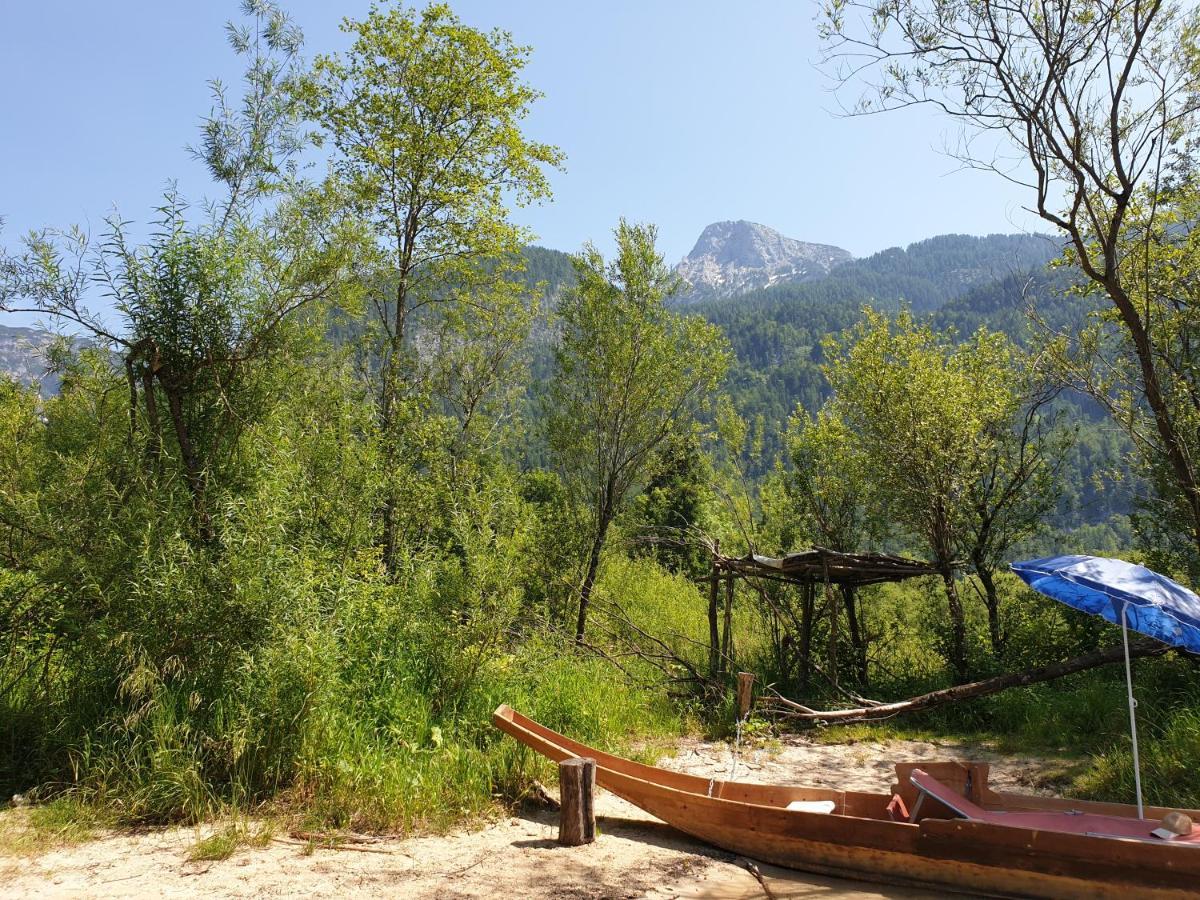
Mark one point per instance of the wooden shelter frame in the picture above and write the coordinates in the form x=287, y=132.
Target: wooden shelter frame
x=810, y=570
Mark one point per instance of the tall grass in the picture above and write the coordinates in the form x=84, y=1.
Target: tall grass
x=373, y=715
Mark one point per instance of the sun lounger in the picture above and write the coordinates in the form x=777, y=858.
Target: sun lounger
x=1069, y=822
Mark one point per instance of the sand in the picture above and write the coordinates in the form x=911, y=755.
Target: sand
x=515, y=856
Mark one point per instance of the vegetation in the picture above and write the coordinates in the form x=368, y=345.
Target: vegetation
x=1100, y=104
x=424, y=114
x=348, y=465
x=629, y=374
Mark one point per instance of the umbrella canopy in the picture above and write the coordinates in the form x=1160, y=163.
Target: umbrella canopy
x=1153, y=604
x=1128, y=595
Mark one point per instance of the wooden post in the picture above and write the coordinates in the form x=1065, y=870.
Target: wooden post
x=727, y=637
x=808, y=611
x=714, y=636
x=577, y=815
x=745, y=693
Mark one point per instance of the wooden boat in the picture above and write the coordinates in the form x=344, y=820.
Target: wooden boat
x=972, y=840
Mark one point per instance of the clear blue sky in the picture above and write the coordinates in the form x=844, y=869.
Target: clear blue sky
x=679, y=113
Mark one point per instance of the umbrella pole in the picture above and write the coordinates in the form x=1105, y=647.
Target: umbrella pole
x=1137, y=767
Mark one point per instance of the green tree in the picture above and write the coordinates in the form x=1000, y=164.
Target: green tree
x=629, y=374
x=205, y=307
x=830, y=482
x=1019, y=482
x=425, y=115
x=1158, y=265
x=921, y=411
x=672, y=506
x=1099, y=102
x=832, y=489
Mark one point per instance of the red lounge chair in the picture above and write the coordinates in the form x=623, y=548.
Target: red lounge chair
x=1092, y=824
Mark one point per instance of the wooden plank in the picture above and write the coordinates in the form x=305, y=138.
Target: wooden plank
x=1135, y=864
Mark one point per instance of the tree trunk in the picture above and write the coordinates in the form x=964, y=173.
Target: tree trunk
x=831, y=608
x=992, y=600
x=714, y=634
x=154, y=438
x=589, y=578
x=958, y=628
x=857, y=638
x=191, y=464
x=967, y=691
x=714, y=637
x=808, y=602
x=389, y=397
x=1181, y=466
x=727, y=633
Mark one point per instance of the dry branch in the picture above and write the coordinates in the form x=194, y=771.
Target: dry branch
x=793, y=711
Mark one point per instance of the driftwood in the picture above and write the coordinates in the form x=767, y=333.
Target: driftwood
x=794, y=711
x=538, y=794
x=329, y=845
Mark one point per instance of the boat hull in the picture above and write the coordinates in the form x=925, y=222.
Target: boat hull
x=859, y=841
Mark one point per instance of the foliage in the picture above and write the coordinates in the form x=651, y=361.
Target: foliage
x=1099, y=104
x=289, y=532
x=424, y=114
x=830, y=483
x=630, y=372
x=955, y=441
x=1159, y=271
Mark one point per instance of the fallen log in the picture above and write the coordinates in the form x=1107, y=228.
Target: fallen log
x=793, y=711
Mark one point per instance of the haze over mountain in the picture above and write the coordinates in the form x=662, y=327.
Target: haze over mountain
x=23, y=356
x=777, y=299
x=733, y=257
x=752, y=280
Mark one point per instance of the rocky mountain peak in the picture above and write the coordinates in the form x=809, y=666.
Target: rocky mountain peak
x=732, y=257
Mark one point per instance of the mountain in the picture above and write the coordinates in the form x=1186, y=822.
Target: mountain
x=924, y=275
x=23, y=356
x=957, y=280
x=734, y=257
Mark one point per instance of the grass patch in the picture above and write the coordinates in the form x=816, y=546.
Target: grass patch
x=222, y=843
x=217, y=846
x=32, y=830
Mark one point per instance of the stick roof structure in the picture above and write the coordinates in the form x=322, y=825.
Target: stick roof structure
x=821, y=566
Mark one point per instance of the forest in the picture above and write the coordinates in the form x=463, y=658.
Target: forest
x=340, y=460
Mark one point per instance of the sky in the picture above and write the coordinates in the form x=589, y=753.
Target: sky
x=672, y=112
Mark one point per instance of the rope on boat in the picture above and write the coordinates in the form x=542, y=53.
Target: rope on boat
x=733, y=756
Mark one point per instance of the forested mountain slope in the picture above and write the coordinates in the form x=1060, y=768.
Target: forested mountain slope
x=961, y=282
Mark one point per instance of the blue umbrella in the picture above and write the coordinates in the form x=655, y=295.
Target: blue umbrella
x=1128, y=595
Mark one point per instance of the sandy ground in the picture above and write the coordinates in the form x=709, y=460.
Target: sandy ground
x=517, y=856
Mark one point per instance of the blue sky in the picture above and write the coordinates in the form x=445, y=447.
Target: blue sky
x=678, y=113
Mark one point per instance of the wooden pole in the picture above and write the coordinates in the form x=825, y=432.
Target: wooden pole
x=577, y=815
x=727, y=637
x=806, y=628
x=714, y=636
x=745, y=693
